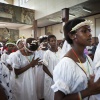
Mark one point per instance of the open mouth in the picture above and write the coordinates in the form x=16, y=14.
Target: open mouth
x=89, y=40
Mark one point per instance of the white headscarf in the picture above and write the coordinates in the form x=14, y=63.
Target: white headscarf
x=18, y=41
x=66, y=47
x=10, y=43
x=96, y=59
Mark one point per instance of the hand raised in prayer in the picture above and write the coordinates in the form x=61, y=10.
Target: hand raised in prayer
x=40, y=62
x=91, y=81
x=94, y=87
x=34, y=62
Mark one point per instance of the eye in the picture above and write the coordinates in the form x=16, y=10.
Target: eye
x=86, y=30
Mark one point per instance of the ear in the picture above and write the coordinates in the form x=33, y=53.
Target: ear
x=72, y=36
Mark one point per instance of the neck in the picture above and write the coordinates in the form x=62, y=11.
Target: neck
x=27, y=53
x=54, y=49
x=8, y=52
x=79, y=50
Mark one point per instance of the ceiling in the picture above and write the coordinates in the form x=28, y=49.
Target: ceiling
x=77, y=10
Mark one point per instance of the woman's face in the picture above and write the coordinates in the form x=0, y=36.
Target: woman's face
x=20, y=45
x=45, y=43
x=83, y=35
x=53, y=42
x=10, y=47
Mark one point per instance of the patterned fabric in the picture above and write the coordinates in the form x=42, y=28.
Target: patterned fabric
x=5, y=80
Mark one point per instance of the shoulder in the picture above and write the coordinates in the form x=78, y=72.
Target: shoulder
x=16, y=54
x=65, y=63
x=12, y=54
x=4, y=54
x=47, y=52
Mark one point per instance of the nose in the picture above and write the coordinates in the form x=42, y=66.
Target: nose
x=54, y=42
x=89, y=33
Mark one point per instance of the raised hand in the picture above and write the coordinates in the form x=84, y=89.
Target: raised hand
x=91, y=81
x=34, y=62
x=94, y=87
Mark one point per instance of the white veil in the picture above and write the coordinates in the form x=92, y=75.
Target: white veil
x=66, y=47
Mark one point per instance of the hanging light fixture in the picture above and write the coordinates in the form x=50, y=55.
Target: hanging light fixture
x=87, y=10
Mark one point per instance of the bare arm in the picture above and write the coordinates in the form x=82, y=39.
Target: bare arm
x=47, y=71
x=2, y=94
x=9, y=67
x=91, y=90
x=21, y=70
x=31, y=64
x=61, y=96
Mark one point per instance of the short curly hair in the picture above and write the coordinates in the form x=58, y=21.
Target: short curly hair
x=68, y=27
x=51, y=36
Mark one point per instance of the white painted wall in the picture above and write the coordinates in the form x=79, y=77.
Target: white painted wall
x=46, y=7
x=43, y=31
x=26, y=33
x=95, y=27
x=56, y=31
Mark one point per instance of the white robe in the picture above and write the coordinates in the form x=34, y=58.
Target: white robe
x=66, y=47
x=50, y=60
x=40, y=76
x=10, y=61
x=25, y=87
x=5, y=80
x=97, y=76
x=4, y=58
x=96, y=61
x=69, y=77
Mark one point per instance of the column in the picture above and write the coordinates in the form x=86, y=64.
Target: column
x=35, y=29
x=65, y=17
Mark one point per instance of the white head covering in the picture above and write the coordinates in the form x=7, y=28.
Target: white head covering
x=23, y=40
x=18, y=41
x=10, y=43
x=96, y=59
x=66, y=47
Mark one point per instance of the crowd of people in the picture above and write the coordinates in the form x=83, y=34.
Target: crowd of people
x=43, y=70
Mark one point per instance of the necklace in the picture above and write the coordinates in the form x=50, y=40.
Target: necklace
x=29, y=58
x=82, y=66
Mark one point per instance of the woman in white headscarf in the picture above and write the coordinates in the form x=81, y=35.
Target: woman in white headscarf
x=24, y=61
